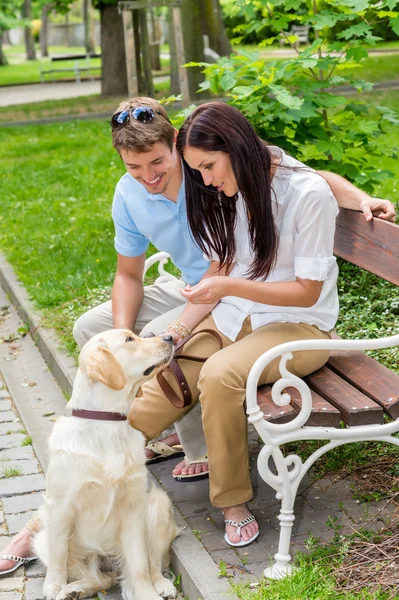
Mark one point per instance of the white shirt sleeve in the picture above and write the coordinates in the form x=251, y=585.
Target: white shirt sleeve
x=314, y=232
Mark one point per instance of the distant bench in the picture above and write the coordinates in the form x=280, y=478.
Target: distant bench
x=77, y=68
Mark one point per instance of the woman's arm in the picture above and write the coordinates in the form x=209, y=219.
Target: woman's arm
x=195, y=312
x=301, y=292
x=349, y=196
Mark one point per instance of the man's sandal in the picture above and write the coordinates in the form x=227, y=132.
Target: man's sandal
x=194, y=476
x=18, y=560
x=163, y=452
x=239, y=525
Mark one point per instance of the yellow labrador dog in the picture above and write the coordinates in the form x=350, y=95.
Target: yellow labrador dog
x=98, y=501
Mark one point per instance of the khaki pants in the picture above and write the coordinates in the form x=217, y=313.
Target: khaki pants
x=162, y=303
x=219, y=385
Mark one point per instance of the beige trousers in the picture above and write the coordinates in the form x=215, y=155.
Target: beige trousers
x=162, y=303
x=219, y=385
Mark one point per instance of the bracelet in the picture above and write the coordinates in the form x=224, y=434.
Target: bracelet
x=180, y=328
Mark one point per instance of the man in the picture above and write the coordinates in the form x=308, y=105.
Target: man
x=149, y=206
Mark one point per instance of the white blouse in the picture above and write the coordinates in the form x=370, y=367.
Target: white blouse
x=305, y=210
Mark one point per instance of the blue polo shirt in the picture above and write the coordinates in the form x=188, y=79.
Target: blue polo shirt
x=140, y=218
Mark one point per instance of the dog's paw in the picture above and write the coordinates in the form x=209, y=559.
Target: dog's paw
x=65, y=595
x=51, y=590
x=165, y=588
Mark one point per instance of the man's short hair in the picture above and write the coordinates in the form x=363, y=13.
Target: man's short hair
x=140, y=137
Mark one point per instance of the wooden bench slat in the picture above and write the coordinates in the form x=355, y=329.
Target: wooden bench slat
x=374, y=248
x=274, y=413
x=323, y=413
x=354, y=406
x=370, y=377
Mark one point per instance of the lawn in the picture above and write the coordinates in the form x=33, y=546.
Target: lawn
x=56, y=108
x=20, y=71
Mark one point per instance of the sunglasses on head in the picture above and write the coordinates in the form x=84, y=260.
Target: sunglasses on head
x=142, y=114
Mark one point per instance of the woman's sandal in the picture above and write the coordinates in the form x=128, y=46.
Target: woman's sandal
x=194, y=476
x=18, y=560
x=242, y=523
x=163, y=452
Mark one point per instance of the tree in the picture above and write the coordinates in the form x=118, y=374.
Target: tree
x=28, y=36
x=8, y=19
x=290, y=102
x=87, y=25
x=212, y=26
x=114, y=77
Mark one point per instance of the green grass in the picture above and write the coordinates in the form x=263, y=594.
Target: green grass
x=313, y=579
x=56, y=108
x=20, y=71
x=11, y=472
x=29, y=72
x=27, y=441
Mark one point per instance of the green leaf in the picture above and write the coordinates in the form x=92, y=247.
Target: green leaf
x=333, y=148
x=228, y=80
x=358, y=30
x=242, y=91
x=391, y=3
x=357, y=53
x=285, y=98
x=395, y=25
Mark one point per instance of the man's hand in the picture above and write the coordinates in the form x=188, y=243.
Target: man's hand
x=383, y=209
x=207, y=291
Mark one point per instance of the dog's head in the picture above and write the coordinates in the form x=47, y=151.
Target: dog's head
x=118, y=358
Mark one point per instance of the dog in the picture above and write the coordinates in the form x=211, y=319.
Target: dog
x=98, y=503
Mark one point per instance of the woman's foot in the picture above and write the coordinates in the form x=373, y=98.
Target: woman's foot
x=170, y=440
x=187, y=470
x=241, y=532
x=20, y=545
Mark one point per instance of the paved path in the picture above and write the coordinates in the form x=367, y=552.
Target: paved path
x=23, y=94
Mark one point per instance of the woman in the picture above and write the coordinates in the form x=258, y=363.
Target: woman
x=267, y=223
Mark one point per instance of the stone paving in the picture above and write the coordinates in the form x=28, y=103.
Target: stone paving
x=21, y=495
x=322, y=508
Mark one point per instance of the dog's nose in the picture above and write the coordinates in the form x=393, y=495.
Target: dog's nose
x=168, y=338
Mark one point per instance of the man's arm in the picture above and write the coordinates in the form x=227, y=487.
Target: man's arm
x=349, y=196
x=127, y=291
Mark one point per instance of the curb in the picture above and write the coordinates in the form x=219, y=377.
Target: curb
x=189, y=559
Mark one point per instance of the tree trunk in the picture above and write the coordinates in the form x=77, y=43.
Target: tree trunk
x=114, y=77
x=46, y=9
x=146, y=52
x=137, y=46
x=155, y=47
x=87, y=26
x=212, y=26
x=193, y=44
x=3, y=59
x=28, y=36
x=174, y=67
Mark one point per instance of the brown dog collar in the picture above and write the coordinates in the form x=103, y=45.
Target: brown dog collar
x=98, y=415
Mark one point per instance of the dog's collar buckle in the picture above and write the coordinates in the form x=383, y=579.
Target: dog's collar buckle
x=98, y=415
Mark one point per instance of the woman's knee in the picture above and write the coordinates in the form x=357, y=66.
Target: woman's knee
x=218, y=381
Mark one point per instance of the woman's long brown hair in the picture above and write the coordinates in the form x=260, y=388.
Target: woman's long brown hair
x=212, y=215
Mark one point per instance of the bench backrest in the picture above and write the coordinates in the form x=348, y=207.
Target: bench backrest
x=372, y=246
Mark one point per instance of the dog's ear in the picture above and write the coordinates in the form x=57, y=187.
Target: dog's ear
x=102, y=365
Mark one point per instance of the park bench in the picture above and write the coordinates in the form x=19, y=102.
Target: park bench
x=77, y=68
x=352, y=389
x=300, y=31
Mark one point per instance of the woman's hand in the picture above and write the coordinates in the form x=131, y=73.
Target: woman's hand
x=383, y=209
x=207, y=291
